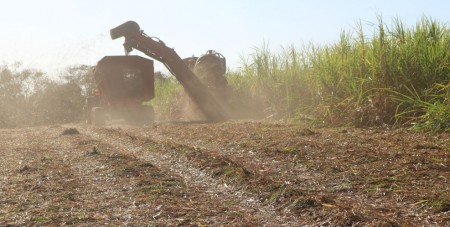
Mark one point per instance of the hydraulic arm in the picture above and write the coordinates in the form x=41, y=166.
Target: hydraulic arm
x=213, y=108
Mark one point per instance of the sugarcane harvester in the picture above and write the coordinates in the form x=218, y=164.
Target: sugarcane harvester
x=125, y=82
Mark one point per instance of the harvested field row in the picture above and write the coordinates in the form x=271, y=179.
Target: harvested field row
x=364, y=176
x=241, y=174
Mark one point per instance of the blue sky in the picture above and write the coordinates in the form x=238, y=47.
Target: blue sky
x=53, y=34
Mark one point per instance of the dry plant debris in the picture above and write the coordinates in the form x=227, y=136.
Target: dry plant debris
x=238, y=174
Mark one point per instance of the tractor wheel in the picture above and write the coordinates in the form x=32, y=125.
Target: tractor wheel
x=98, y=116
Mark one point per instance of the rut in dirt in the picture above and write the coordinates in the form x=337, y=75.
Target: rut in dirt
x=239, y=174
x=79, y=180
x=167, y=158
x=318, y=176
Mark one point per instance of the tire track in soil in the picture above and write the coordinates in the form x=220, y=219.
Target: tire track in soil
x=194, y=177
x=325, y=205
x=49, y=179
x=61, y=180
x=156, y=196
x=326, y=153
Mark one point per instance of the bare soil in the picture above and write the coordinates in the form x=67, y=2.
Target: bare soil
x=227, y=174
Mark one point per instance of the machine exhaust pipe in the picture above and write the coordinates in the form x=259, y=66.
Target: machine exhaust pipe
x=124, y=30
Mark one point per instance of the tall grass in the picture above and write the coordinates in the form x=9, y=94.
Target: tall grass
x=365, y=78
x=359, y=80
x=275, y=84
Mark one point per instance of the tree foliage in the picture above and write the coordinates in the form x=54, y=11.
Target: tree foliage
x=30, y=97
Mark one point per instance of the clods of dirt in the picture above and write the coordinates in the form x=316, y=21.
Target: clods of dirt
x=70, y=131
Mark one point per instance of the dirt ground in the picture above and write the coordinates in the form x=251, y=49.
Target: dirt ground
x=226, y=174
